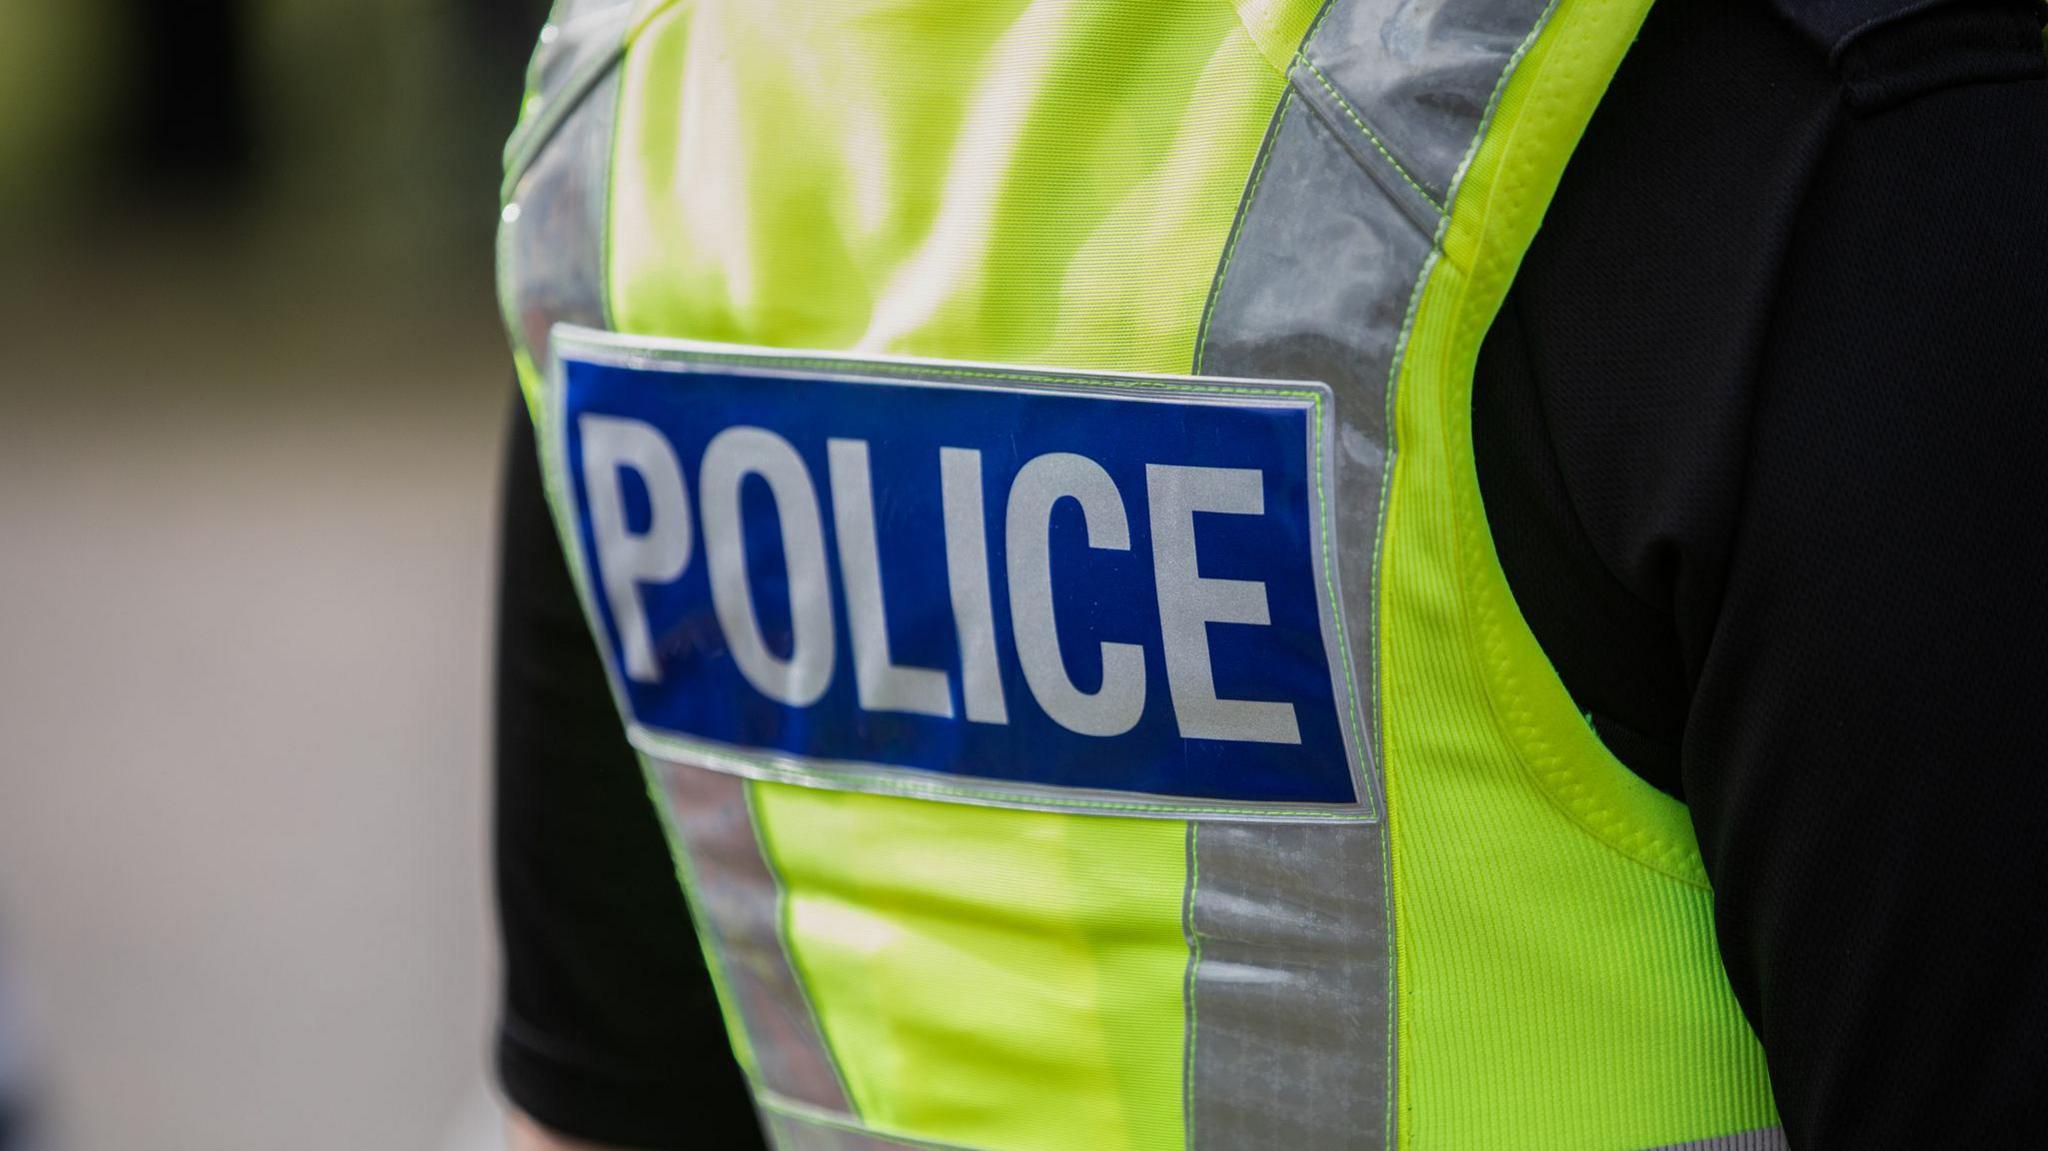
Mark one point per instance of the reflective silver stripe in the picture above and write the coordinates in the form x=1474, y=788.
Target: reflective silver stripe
x=558, y=162
x=1316, y=287
x=578, y=47
x=1290, y=979
x=577, y=35
x=785, y=1134
x=551, y=233
x=1420, y=78
x=1288, y=1010
x=739, y=900
x=796, y=1128
x=1318, y=276
x=1767, y=1139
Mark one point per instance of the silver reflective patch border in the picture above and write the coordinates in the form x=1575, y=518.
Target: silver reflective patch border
x=1089, y=593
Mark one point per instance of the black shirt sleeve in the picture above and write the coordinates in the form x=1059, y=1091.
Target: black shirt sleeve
x=610, y=1030
x=1761, y=433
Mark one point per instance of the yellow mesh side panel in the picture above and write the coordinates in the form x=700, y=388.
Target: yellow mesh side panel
x=1560, y=986
x=995, y=979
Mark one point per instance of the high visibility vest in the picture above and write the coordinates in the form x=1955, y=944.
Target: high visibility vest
x=1016, y=460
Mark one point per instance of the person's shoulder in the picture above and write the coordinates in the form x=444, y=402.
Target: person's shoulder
x=1835, y=27
x=1882, y=53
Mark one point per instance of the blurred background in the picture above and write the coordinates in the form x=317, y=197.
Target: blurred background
x=251, y=392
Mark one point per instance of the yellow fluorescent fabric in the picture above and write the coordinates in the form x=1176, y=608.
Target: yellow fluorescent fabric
x=1046, y=183
x=966, y=960
x=1535, y=878
x=1051, y=182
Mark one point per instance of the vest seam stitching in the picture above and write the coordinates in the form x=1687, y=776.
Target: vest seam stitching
x=527, y=141
x=783, y=934
x=1371, y=137
x=1644, y=847
x=1502, y=689
x=669, y=748
x=1191, y=1009
x=530, y=143
x=1258, y=42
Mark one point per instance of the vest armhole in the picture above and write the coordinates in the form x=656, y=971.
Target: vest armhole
x=1501, y=198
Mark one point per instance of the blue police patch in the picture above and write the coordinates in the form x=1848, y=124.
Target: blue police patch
x=1044, y=589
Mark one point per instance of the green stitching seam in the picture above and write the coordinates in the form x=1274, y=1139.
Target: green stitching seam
x=1394, y=367
x=672, y=745
x=1371, y=137
x=883, y=370
x=880, y=784
x=782, y=938
x=1327, y=528
x=1310, y=35
x=1194, y=935
x=709, y=941
x=1379, y=544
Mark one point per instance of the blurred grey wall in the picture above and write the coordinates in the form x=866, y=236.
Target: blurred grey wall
x=250, y=402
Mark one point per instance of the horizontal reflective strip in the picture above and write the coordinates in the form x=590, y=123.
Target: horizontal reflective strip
x=1765, y=1139
x=793, y=1127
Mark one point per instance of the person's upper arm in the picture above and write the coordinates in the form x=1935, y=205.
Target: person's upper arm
x=610, y=1031
x=1760, y=431
x=1866, y=756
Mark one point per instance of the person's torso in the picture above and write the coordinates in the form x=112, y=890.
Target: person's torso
x=1016, y=458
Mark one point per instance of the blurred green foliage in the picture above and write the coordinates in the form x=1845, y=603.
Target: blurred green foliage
x=55, y=97
x=375, y=127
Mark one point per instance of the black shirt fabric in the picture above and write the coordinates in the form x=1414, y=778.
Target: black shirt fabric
x=610, y=1029
x=1762, y=431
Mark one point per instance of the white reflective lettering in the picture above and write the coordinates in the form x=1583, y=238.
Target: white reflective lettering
x=626, y=559
x=730, y=457
x=1189, y=602
x=883, y=684
x=981, y=677
x=1115, y=707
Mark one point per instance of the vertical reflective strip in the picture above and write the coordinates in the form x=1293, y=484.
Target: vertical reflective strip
x=1291, y=1009
x=577, y=40
x=739, y=898
x=551, y=233
x=1288, y=1013
x=1291, y=981
x=1316, y=287
x=578, y=46
x=1766, y=1139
